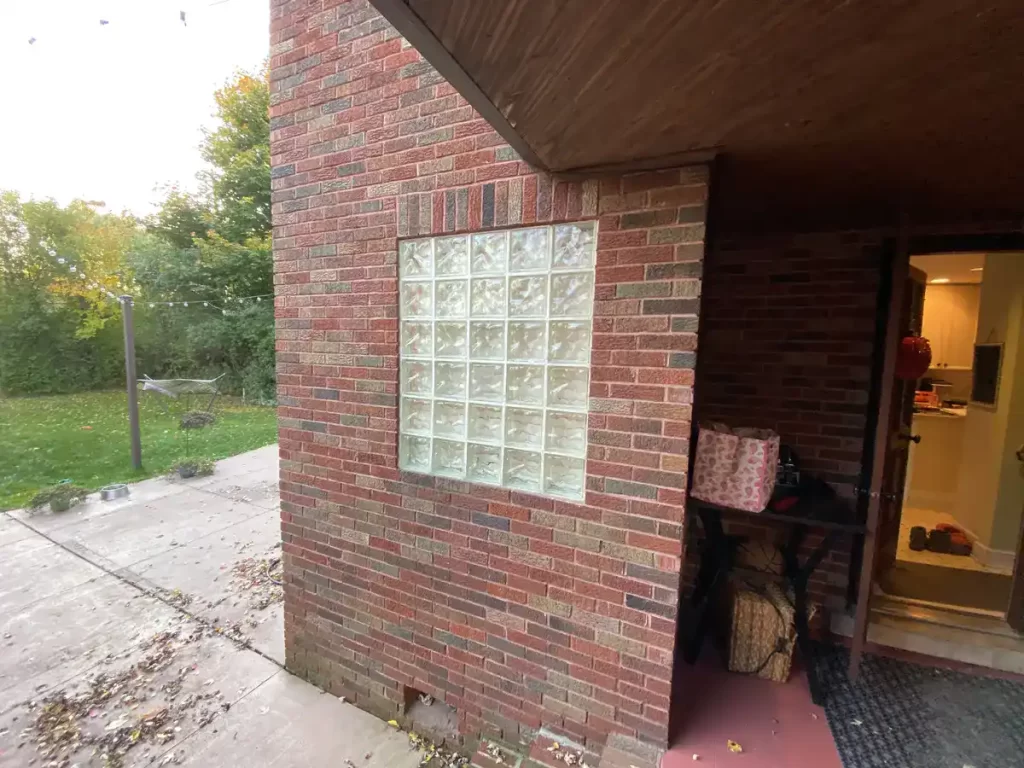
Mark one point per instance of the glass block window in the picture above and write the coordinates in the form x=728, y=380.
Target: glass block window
x=495, y=356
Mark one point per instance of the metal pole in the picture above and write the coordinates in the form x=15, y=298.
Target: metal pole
x=133, y=387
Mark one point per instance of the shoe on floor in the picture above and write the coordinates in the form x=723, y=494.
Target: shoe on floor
x=939, y=541
x=918, y=538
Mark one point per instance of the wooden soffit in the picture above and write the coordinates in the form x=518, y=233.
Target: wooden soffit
x=822, y=110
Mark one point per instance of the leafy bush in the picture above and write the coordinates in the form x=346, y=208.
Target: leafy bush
x=60, y=497
x=193, y=468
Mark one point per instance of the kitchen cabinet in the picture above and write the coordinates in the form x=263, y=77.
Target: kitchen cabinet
x=950, y=323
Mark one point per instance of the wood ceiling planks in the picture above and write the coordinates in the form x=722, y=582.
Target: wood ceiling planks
x=822, y=108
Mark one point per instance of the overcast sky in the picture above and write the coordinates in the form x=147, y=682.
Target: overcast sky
x=109, y=112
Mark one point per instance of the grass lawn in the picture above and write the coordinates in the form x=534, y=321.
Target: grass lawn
x=84, y=438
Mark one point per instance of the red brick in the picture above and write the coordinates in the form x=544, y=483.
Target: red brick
x=515, y=562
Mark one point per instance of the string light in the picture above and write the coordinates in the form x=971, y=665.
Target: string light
x=152, y=304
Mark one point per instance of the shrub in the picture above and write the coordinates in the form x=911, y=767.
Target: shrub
x=60, y=497
x=193, y=468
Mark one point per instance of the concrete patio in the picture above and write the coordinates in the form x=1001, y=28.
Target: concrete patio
x=156, y=593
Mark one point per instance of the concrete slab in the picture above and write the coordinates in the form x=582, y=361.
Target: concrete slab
x=191, y=673
x=202, y=570
x=289, y=723
x=34, y=569
x=146, y=496
x=51, y=641
x=11, y=532
x=131, y=535
x=65, y=620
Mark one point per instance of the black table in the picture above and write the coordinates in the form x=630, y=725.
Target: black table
x=718, y=554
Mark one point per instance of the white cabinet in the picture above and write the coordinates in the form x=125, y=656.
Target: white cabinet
x=950, y=324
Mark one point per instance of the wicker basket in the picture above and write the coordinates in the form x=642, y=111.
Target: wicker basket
x=762, y=632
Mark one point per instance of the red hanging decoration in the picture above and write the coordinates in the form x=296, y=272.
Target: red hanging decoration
x=914, y=358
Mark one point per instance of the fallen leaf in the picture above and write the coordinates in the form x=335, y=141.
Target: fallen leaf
x=393, y=723
x=734, y=746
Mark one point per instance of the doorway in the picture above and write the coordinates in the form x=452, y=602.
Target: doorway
x=950, y=526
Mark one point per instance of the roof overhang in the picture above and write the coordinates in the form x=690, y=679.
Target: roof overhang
x=822, y=111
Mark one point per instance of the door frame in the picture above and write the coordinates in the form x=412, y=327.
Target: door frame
x=895, y=271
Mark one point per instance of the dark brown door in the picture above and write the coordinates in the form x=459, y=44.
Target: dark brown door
x=1015, y=613
x=884, y=494
x=898, y=436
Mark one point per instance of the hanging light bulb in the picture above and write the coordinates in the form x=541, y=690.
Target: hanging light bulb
x=74, y=268
x=184, y=303
x=206, y=303
x=151, y=305
x=82, y=275
x=61, y=260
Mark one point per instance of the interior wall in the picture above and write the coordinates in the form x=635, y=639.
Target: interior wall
x=990, y=495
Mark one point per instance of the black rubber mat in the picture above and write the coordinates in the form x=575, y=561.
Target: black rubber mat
x=904, y=715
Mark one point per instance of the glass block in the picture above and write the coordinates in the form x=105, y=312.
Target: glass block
x=415, y=415
x=567, y=386
x=522, y=469
x=524, y=427
x=572, y=294
x=451, y=255
x=563, y=476
x=449, y=419
x=484, y=463
x=527, y=296
x=566, y=432
x=450, y=340
x=569, y=341
x=414, y=258
x=485, y=422
x=488, y=253
x=416, y=338
x=574, y=245
x=488, y=297
x=529, y=249
x=526, y=341
x=415, y=453
x=525, y=384
x=486, y=340
x=485, y=382
x=449, y=458
x=415, y=377
x=450, y=297
x=416, y=299
x=450, y=380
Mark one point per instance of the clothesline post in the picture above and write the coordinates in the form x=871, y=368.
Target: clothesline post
x=133, y=387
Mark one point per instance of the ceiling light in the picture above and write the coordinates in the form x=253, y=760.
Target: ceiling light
x=939, y=280
x=977, y=269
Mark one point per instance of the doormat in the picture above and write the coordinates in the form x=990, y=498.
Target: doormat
x=905, y=715
x=953, y=586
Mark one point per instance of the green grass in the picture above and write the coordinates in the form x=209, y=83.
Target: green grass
x=84, y=438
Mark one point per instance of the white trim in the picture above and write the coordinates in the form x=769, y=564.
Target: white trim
x=1001, y=560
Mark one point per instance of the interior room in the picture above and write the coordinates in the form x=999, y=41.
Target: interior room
x=964, y=492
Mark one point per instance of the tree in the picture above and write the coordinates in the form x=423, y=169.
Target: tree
x=239, y=152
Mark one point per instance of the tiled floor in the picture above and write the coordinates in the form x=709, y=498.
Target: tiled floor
x=775, y=723
x=928, y=518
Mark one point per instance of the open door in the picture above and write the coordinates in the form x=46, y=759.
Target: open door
x=895, y=441
x=1015, y=613
x=904, y=289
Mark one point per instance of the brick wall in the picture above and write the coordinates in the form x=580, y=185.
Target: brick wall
x=787, y=343
x=516, y=609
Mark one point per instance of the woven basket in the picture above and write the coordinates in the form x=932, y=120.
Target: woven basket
x=762, y=632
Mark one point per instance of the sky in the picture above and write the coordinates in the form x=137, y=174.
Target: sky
x=114, y=112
